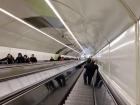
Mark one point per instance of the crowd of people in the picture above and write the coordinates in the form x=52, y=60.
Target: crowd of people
x=9, y=59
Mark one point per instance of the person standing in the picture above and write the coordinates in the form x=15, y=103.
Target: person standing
x=9, y=59
x=33, y=59
x=90, y=68
x=26, y=59
x=20, y=59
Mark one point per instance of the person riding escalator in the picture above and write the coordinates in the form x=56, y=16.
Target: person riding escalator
x=20, y=59
x=9, y=59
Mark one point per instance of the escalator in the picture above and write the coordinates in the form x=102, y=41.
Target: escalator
x=35, y=93
x=74, y=93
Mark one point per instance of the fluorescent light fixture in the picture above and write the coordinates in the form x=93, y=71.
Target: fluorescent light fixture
x=60, y=18
x=122, y=45
x=29, y=25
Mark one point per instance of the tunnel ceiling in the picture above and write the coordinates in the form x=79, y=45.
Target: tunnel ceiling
x=93, y=22
x=37, y=13
x=97, y=22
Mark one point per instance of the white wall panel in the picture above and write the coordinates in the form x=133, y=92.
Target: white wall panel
x=123, y=67
x=120, y=61
x=103, y=58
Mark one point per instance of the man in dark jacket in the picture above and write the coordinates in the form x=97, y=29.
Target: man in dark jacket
x=90, y=69
x=20, y=58
x=9, y=59
x=26, y=59
x=33, y=59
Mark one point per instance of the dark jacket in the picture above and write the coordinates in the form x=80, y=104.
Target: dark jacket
x=9, y=60
x=27, y=60
x=33, y=59
x=90, y=68
x=20, y=60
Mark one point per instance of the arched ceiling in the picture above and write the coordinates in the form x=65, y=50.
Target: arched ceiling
x=37, y=13
x=94, y=23
x=97, y=22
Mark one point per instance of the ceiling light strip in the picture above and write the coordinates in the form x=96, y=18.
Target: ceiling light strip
x=60, y=18
x=29, y=25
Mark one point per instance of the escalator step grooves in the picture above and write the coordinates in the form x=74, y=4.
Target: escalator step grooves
x=81, y=94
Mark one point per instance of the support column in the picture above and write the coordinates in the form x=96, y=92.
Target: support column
x=137, y=49
x=109, y=70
